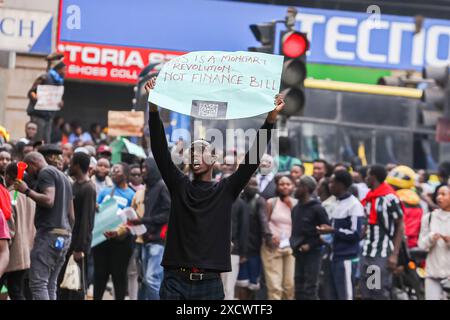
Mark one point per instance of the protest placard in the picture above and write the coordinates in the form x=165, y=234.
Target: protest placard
x=125, y=123
x=219, y=85
x=107, y=219
x=129, y=214
x=49, y=97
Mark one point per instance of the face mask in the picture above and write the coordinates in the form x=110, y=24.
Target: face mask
x=265, y=171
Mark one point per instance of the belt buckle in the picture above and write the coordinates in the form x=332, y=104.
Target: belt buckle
x=193, y=278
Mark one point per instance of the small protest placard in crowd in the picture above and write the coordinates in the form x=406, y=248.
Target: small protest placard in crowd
x=125, y=123
x=49, y=97
x=106, y=219
x=219, y=85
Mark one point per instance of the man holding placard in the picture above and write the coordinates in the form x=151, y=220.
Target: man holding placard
x=199, y=239
x=45, y=99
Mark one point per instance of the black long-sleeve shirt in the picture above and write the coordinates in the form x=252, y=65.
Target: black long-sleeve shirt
x=199, y=232
x=84, y=207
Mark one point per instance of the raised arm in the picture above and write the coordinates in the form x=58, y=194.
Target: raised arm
x=240, y=178
x=169, y=172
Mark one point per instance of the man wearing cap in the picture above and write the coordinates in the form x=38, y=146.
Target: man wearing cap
x=43, y=118
x=198, y=244
x=53, y=155
x=104, y=151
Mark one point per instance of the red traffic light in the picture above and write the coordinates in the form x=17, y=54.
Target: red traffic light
x=294, y=44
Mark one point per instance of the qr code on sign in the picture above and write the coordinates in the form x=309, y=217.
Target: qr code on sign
x=208, y=110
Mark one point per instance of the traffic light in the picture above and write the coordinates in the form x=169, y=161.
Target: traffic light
x=264, y=33
x=436, y=95
x=293, y=47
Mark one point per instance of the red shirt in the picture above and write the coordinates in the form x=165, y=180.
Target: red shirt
x=5, y=202
x=4, y=231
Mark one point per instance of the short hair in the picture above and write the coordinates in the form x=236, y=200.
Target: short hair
x=444, y=169
x=347, y=166
x=328, y=167
x=363, y=171
x=309, y=182
x=284, y=145
x=301, y=166
x=104, y=158
x=75, y=125
x=83, y=160
x=344, y=177
x=125, y=168
x=280, y=176
x=204, y=145
x=134, y=166
x=34, y=157
x=11, y=170
x=379, y=171
x=30, y=122
x=5, y=150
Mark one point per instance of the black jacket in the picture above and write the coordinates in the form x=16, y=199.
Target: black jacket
x=270, y=191
x=305, y=218
x=257, y=228
x=156, y=202
x=239, y=224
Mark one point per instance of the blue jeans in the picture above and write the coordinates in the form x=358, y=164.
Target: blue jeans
x=46, y=263
x=152, y=271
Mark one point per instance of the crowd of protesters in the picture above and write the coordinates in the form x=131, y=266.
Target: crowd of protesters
x=294, y=236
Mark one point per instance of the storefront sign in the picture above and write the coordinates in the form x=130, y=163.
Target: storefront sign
x=336, y=37
x=25, y=31
x=108, y=63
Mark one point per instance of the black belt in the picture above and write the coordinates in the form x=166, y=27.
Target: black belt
x=194, y=274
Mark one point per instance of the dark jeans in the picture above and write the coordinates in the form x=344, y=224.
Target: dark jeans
x=111, y=258
x=65, y=294
x=343, y=279
x=46, y=263
x=176, y=287
x=15, y=282
x=307, y=269
x=376, y=279
x=326, y=280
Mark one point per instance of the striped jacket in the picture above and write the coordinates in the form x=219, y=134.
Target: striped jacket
x=378, y=241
